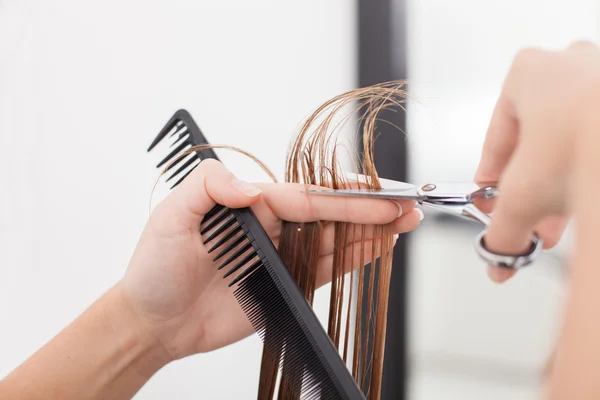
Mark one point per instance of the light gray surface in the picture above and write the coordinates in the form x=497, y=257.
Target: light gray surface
x=470, y=338
x=84, y=87
x=465, y=328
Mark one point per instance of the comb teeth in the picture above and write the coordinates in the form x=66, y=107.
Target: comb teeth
x=276, y=308
x=284, y=335
x=238, y=253
x=177, y=158
x=244, y=274
x=222, y=228
x=186, y=164
x=182, y=132
x=231, y=245
x=240, y=264
x=224, y=239
x=265, y=290
x=215, y=221
x=182, y=178
x=214, y=211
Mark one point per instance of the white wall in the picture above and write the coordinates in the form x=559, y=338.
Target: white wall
x=84, y=87
x=471, y=339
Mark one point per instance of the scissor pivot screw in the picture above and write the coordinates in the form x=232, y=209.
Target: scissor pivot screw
x=429, y=187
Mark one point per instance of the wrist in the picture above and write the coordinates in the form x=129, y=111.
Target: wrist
x=142, y=353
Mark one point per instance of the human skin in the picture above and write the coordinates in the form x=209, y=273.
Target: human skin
x=172, y=303
x=542, y=146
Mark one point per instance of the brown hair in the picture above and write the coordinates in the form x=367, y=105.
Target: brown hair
x=313, y=159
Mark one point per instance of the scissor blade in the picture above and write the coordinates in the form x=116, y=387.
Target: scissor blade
x=389, y=194
x=385, y=183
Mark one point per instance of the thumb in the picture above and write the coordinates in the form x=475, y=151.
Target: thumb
x=210, y=183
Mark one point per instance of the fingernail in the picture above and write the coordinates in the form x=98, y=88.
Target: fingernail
x=499, y=275
x=396, y=236
x=420, y=212
x=399, y=208
x=246, y=188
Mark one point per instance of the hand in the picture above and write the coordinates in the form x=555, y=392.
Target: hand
x=172, y=285
x=545, y=103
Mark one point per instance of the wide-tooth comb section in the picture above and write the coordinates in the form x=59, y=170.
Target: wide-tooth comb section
x=186, y=164
x=172, y=123
x=173, y=153
x=182, y=178
x=238, y=253
x=225, y=239
x=240, y=264
x=175, y=163
x=221, y=229
x=213, y=211
x=181, y=130
x=216, y=221
x=246, y=272
x=181, y=133
x=181, y=139
x=231, y=245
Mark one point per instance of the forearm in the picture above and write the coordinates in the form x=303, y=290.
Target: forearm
x=101, y=355
x=575, y=370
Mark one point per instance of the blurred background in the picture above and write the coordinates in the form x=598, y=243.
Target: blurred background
x=85, y=87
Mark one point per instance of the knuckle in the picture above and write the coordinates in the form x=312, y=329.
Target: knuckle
x=581, y=45
x=524, y=63
x=525, y=58
x=313, y=211
x=519, y=200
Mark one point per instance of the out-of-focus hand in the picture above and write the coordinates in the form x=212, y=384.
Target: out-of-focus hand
x=545, y=104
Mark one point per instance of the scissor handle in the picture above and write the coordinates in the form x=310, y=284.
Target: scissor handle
x=510, y=261
x=507, y=260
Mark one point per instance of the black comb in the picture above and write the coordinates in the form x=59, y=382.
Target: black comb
x=185, y=133
x=263, y=286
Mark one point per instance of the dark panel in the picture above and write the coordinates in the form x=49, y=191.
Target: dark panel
x=382, y=44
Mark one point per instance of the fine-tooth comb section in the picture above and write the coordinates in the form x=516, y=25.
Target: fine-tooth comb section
x=261, y=282
x=277, y=309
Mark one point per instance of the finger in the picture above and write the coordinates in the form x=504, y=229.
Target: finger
x=485, y=205
x=551, y=230
x=518, y=210
x=500, y=142
x=403, y=224
x=353, y=259
x=289, y=203
x=516, y=215
x=210, y=183
x=582, y=45
x=500, y=275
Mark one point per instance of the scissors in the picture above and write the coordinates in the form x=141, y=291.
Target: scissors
x=451, y=198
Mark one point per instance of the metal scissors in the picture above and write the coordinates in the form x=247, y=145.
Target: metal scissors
x=452, y=198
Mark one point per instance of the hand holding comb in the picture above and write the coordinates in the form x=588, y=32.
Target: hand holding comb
x=261, y=282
